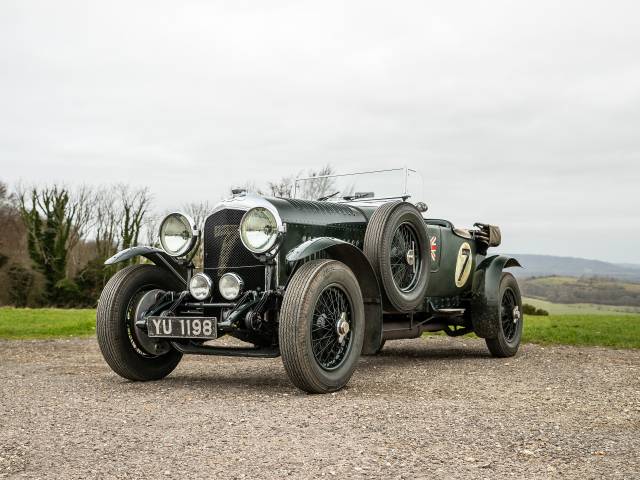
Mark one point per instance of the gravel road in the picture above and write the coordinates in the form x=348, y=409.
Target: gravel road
x=428, y=408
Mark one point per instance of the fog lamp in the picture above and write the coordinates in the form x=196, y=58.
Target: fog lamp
x=230, y=286
x=200, y=286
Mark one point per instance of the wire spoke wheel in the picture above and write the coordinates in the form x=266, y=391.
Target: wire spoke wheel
x=405, y=257
x=510, y=315
x=321, y=326
x=331, y=327
x=502, y=323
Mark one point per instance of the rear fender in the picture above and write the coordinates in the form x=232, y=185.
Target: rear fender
x=485, y=304
x=157, y=256
x=355, y=259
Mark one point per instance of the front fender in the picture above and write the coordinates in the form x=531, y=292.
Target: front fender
x=157, y=256
x=356, y=260
x=486, y=294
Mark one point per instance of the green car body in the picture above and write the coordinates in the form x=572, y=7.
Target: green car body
x=462, y=286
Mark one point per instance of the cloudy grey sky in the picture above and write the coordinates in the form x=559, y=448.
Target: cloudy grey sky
x=523, y=114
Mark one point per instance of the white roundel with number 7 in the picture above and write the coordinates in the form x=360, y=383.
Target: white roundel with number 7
x=463, y=265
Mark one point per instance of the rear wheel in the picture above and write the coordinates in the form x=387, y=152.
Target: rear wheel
x=321, y=326
x=396, y=243
x=125, y=347
x=507, y=341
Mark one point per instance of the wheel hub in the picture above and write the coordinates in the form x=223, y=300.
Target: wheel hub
x=405, y=258
x=342, y=327
x=149, y=345
x=330, y=328
x=411, y=257
x=516, y=314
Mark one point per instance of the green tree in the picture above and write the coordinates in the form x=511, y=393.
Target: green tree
x=55, y=222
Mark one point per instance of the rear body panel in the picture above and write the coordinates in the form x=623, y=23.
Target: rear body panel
x=446, y=248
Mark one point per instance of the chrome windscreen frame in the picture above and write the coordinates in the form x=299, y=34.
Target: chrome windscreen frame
x=404, y=195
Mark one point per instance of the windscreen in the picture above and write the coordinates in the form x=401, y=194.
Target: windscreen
x=363, y=186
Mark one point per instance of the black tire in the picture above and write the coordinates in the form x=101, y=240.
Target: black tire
x=507, y=342
x=379, y=248
x=379, y=350
x=299, y=320
x=114, y=329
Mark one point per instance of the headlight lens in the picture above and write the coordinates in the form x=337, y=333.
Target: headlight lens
x=230, y=286
x=177, y=234
x=200, y=286
x=259, y=230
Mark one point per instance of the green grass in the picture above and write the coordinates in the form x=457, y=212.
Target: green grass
x=23, y=323
x=612, y=330
x=579, y=308
x=619, y=330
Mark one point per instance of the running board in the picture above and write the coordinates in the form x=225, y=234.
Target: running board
x=449, y=312
x=440, y=320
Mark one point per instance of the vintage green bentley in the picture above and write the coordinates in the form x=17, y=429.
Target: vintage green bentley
x=317, y=282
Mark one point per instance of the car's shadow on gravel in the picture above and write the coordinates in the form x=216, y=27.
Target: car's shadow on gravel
x=241, y=379
x=272, y=380
x=429, y=352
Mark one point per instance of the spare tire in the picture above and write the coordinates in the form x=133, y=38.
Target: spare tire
x=397, y=245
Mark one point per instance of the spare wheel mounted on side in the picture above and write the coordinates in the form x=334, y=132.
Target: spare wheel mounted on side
x=397, y=245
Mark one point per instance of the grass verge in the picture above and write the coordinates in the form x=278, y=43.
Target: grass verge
x=619, y=331
x=24, y=323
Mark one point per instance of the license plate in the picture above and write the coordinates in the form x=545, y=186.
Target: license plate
x=182, y=327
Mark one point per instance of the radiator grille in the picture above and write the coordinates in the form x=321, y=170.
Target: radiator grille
x=224, y=252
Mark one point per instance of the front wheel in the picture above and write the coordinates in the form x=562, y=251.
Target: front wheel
x=125, y=347
x=507, y=341
x=321, y=326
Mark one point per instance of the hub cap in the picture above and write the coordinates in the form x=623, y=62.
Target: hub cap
x=330, y=328
x=405, y=258
x=141, y=342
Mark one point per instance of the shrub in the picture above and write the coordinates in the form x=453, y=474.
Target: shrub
x=529, y=309
x=21, y=280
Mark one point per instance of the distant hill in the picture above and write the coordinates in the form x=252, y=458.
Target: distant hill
x=584, y=290
x=546, y=265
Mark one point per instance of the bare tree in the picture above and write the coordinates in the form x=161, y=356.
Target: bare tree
x=106, y=222
x=282, y=188
x=318, y=185
x=134, y=205
x=199, y=212
x=151, y=226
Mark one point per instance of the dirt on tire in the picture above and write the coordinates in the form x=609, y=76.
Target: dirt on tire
x=433, y=407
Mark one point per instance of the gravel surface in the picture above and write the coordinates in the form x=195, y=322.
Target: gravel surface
x=427, y=408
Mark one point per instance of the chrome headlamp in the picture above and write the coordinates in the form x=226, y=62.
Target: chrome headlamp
x=178, y=234
x=259, y=230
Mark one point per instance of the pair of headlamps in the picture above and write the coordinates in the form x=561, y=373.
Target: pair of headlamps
x=259, y=232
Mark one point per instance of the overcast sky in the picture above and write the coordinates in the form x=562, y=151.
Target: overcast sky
x=522, y=114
